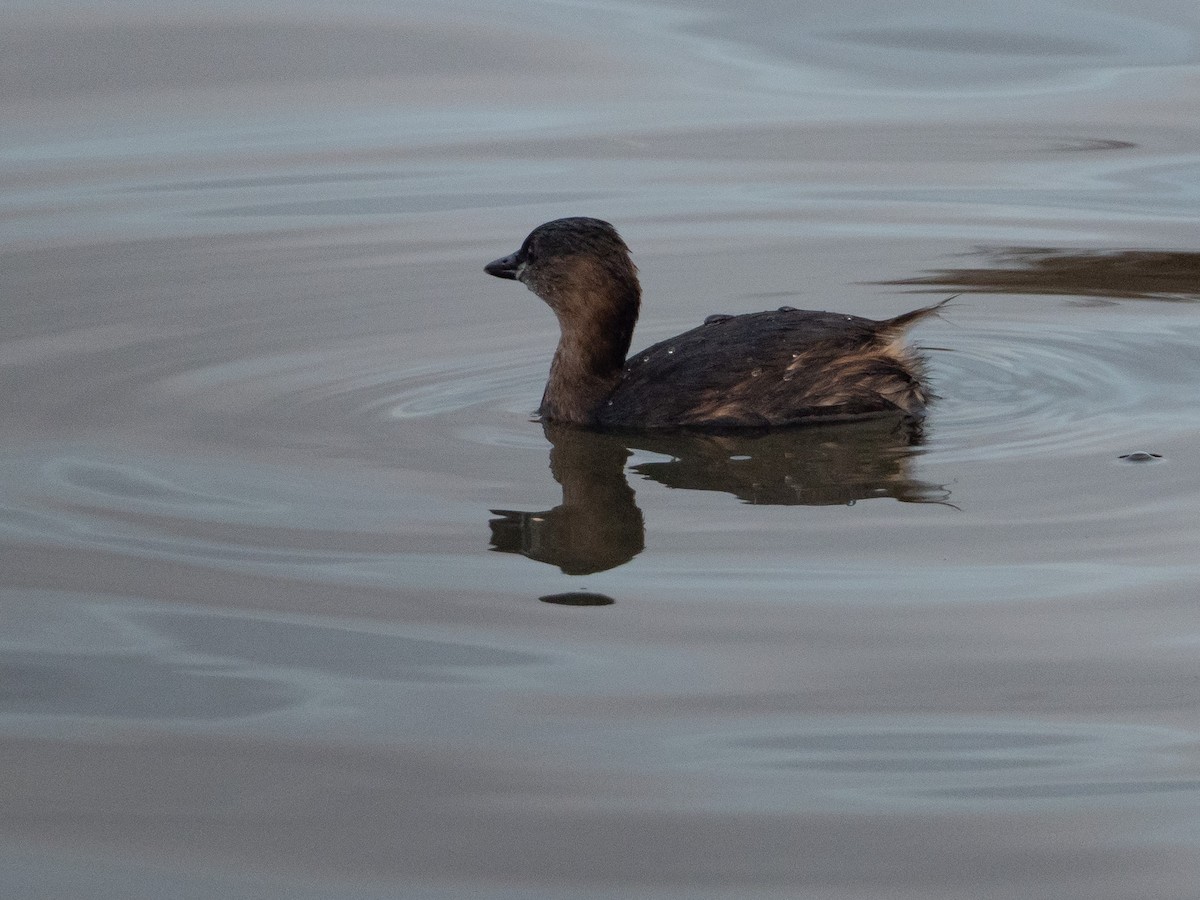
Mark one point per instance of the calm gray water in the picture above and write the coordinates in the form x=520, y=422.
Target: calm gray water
x=298, y=602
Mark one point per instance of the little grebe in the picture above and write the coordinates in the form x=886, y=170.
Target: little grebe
x=763, y=369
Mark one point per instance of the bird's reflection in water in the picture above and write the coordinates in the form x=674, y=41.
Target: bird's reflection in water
x=820, y=465
x=598, y=525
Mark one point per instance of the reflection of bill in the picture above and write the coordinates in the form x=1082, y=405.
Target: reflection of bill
x=1119, y=274
x=598, y=526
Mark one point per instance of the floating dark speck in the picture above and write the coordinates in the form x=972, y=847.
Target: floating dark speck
x=578, y=598
x=1140, y=456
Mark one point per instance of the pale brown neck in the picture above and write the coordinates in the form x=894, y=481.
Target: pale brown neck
x=582, y=376
x=596, y=302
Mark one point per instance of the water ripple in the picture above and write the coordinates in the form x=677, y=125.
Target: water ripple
x=1008, y=390
x=965, y=761
x=1013, y=391
x=133, y=487
x=360, y=387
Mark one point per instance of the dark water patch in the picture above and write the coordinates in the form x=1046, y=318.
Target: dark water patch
x=270, y=181
x=919, y=753
x=187, y=665
x=334, y=650
x=231, y=806
x=197, y=511
x=1092, y=790
x=798, y=150
x=1119, y=274
x=127, y=485
x=132, y=878
x=236, y=547
x=988, y=42
x=923, y=742
x=1153, y=189
x=1092, y=145
x=901, y=766
x=951, y=49
x=400, y=204
x=903, y=762
x=206, y=511
x=50, y=61
x=134, y=687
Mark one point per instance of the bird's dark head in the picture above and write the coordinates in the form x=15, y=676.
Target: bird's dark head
x=582, y=269
x=579, y=266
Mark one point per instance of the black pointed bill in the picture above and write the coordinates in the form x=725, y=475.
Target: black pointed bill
x=505, y=267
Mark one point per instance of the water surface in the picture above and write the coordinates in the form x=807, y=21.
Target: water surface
x=299, y=602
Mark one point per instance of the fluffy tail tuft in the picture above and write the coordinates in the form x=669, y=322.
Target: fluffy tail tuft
x=904, y=321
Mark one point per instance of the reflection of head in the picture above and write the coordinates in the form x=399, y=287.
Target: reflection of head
x=598, y=525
